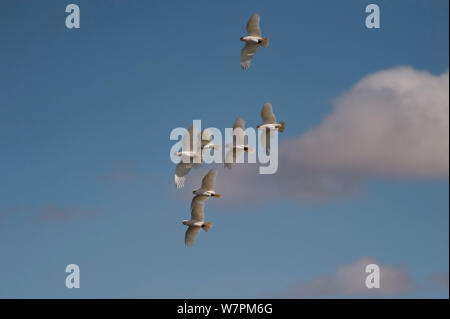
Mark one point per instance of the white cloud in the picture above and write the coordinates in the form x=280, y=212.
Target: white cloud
x=349, y=280
x=440, y=279
x=391, y=124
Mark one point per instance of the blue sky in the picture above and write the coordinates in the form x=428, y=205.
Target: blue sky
x=85, y=118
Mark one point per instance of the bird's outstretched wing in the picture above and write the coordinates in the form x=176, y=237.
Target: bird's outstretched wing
x=247, y=53
x=187, y=142
x=267, y=114
x=239, y=132
x=191, y=234
x=197, y=208
x=205, y=137
x=253, y=26
x=209, y=181
x=230, y=157
x=239, y=122
x=181, y=171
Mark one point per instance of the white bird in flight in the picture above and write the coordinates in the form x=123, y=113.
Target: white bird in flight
x=252, y=41
x=191, y=155
x=208, y=184
x=239, y=146
x=269, y=125
x=197, y=221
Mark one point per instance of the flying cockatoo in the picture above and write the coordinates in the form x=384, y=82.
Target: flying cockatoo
x=252, y=41
x=208, y=184
x=197, y=221
x=191, y=153
x=269, y=125
x=239, y=146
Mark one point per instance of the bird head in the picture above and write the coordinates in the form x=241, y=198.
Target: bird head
x=184, y=222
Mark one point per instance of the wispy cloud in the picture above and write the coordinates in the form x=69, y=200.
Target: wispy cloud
x=439, y=280
x=5, y=213
x=123, y=172
x=52, y=213
x=349, y=280
x=45, y=213
x=391, y=124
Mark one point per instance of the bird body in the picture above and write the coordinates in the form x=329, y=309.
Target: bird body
x=252, y=39
x=189, y=154
x=271, y=126
x=193, y=223
x=208, y=193
x=243, y=147
x=210, y=145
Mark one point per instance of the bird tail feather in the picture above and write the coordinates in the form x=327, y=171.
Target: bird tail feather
x=249, y=149
x=207, y=226
x=281, y=128
x=265, y=42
